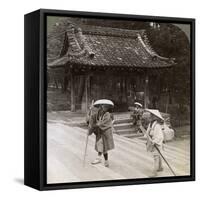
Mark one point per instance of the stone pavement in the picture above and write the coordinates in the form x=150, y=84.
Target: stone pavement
x=129, y=159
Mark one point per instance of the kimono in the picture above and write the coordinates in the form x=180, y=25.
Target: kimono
x=104, y=135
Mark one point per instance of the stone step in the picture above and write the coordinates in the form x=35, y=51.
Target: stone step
x=121, y=121
x=125, y=131
x=123, y=126
x=132, y=135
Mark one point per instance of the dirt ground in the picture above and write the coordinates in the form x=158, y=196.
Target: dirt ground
x=65, y=151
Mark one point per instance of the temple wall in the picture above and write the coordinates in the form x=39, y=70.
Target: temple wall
x=122, y=90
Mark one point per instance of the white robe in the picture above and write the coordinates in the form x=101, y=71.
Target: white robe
x=156, y=134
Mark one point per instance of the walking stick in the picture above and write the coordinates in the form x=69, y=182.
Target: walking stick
x=145, y=133
x=85, y=152
x=86, y=144
x=165, y=160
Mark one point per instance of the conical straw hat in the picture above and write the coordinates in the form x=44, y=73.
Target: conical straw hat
x=103, y=102
x=155, y=112
x=139, y=104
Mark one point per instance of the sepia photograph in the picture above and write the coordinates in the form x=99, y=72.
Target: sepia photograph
x=118, y=99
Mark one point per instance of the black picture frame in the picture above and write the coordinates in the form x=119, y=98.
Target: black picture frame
x=35, y=118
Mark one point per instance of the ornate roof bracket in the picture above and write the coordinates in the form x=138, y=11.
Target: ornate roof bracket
x=149, y=49
x=85, y=44
x=78, y=44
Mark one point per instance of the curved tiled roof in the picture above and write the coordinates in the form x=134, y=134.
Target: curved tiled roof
x=108, y=47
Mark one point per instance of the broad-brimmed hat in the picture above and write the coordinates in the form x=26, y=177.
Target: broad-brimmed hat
x=155, y=113
x=138, y=104
x=103, y=102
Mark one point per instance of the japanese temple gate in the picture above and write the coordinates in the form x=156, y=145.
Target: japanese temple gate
x=116, y=64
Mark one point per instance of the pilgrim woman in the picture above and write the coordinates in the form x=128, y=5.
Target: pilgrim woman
x=104, y=135
x=155, y=139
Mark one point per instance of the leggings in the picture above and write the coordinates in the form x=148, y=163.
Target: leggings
x=105, y=155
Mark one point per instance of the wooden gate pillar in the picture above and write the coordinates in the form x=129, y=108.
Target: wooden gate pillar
x=146, y=91
x=72, y=92
x=87, y=91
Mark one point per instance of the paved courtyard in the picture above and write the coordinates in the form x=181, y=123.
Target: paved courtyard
x=129, y=159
